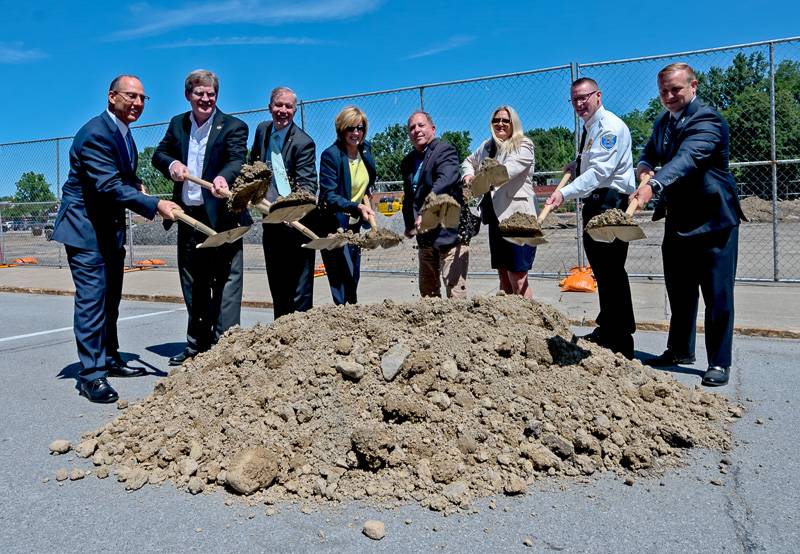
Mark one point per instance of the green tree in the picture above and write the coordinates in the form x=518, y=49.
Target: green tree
x=152, y=178
x=460, y=140
x=32, y=187
x=640, y=124
x=389, y=147
x=553, y=148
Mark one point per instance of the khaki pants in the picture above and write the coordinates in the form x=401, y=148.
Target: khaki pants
x=446, y=264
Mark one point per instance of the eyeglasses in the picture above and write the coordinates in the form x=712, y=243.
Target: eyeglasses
x=582, y=98
x=132, y=96
x=496, y=120
x=198, y=94
x=359, y=128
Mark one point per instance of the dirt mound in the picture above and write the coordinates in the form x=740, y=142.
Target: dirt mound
x=520, y=225
x=435, y=402
x=758, y=210
x=612, y=217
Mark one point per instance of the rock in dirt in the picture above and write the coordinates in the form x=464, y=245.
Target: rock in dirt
x=76, y=474
x=374, y=529
x=493, y=393
x=393, y=360
x=252, y=469
x=86, y=448
x=60, y=446
x=61, y=474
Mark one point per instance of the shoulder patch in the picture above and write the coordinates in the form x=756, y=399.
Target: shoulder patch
x=608, y=141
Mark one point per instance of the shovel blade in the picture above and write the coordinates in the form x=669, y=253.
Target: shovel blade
x=288, y=214
x=625, y=233
x=214, y=241
x=325, y=243
x=232, y=235
x=529, y=241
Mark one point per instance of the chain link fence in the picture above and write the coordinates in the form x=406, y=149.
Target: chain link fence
x=755, y=86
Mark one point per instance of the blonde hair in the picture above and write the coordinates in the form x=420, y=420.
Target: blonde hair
x=517, y=135
x=351, y=116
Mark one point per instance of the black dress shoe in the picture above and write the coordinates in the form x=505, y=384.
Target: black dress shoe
x=98, y=391
x=669, y=358
x=595, y=337
x=182, y=357
x=118, y=368
x=716, y=376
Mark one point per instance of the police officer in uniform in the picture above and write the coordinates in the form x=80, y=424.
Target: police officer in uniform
x=696, y=192
x=604, y=179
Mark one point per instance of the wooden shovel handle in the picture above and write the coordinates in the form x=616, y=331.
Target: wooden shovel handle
x=206, y=185
x=549, y=207
x=371, y=218
x=634, y=204
x=189, y=220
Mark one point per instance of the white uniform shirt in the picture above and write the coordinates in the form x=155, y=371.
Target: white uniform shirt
x=606, y=160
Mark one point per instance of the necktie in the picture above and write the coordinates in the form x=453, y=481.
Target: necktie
x=279, y=176
x=580, y=153
x=670, y=130
x=131, y=148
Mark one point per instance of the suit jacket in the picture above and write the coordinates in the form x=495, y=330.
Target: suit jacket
x=516, y=194
x=335, y=188
x=299, y=155
x=225, y=153
x=699, y=194
x=439, y=174
x=102, y=184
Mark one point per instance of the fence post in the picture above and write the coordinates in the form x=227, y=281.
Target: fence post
x=302, y=115
x=130, y=238
x=422, y=98
x=58, y=169
x=2, y=239
x=575, y=73
x=773, y=162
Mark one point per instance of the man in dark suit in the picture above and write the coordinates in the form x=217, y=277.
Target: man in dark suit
x=433, y=166
x=292, y=155
x=696, y=191
x=210, y=144
x=102, y=184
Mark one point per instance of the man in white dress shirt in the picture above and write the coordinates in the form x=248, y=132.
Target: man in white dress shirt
x=604, y=178
x=210, y=144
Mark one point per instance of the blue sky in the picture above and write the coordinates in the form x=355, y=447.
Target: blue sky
x=57, y=58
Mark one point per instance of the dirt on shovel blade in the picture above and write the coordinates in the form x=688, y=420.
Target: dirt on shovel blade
x=250, y=186
x=435, y=402
x=295, y=198
x=520, y=225
x=609, y=218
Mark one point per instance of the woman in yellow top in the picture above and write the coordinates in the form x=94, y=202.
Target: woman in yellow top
x=346, y=178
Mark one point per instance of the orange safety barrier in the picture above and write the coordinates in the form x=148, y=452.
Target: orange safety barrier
x=29, y=260
x=319, y=271
x=150, y=262
x=580, y=279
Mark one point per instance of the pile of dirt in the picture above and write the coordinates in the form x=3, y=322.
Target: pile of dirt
x=296, y=198
x=520, y=225
x=758, y=210
x=251, y=185
x=435, y=402
x=609, y=218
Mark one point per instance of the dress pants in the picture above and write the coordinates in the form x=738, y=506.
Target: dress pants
x=97, y=276
x=615, y=321
x=706, y=262
x=448, y=264
x=211, y=282
x=343, y=268
x=290, y=269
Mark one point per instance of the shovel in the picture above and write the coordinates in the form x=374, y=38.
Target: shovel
x=214, y=239
x=625, y=233
x=441, y=209
x=486, y=178
x=375, y=237
x=538, y=236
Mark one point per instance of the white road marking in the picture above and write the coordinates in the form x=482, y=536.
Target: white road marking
x=62, y=329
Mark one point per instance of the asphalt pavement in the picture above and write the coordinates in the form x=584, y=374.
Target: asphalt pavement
x=753, y=509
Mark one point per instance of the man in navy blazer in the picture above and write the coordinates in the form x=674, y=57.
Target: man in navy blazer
x=206, y=143
x=102, y=184
x=433, y=166
x=696, y=192
x=290, y=267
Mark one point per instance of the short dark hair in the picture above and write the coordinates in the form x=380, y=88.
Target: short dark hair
x=583, y=81
x=679, y=66
x=115, y=83
x=421, y=112
x=202, y=77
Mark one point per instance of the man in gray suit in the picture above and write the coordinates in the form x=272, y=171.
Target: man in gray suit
x=208, y=143
x=292, y=155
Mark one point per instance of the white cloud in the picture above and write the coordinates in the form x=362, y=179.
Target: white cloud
x=241, y=41
x=258, y=12
x=450, y=44
x=15, y=52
